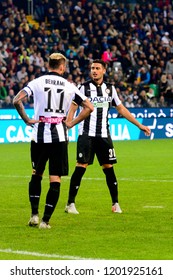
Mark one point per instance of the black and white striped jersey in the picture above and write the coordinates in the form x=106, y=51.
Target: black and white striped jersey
x=52, y=96
x=102, y=97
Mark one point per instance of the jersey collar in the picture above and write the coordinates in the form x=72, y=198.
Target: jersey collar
x=97, y=85
x=54, y=73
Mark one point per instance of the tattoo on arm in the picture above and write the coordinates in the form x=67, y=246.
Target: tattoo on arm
x=19, y=105
x=21, y=110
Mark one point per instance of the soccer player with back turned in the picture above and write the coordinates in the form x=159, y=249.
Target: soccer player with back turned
x=53, y=97
x=94, y=136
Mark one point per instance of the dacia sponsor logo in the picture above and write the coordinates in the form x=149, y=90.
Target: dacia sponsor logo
x=100, y=99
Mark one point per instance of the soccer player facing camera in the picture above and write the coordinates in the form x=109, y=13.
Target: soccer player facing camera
x=94, y=135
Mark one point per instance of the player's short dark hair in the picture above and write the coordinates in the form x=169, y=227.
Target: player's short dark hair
x=100, y=61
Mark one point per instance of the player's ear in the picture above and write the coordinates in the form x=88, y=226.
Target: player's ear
x=105, y=69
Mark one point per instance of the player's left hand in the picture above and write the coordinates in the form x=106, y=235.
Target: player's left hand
x=68, y=124
x=31, y=122
x=146, y=130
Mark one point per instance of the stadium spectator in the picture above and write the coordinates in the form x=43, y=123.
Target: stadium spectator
x=163, y=84
x=144, y=99
x=112, y=33
x=135, y=97
x=84, y=39
x=11, y=94
x=7, y=103
x=154, y=76
x=95, y=138
x=24, y=58
x=39, y=11
x=107, y=57
x=143, y=78
x=165, y=40
x=63, y=27
x=129, y=102
x=95, y=48
x=3, y=91
x=31, y=71
x=21, y=73
x=52, y=18
x=162, y=102
x=81, y=59
x=170, y=80
x=169, y=66
x=3, y=54
x=3, y=71
x=73, y=35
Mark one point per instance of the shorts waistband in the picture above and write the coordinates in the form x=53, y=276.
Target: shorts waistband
x=54, y=120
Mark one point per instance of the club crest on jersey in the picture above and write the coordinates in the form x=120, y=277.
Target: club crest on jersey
x=107, y=90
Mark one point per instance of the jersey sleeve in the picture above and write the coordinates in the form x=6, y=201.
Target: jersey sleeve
x=79, y=97
x=115, y=99
x=28, y=89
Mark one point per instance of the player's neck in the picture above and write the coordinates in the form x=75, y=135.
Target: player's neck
x=98, y=81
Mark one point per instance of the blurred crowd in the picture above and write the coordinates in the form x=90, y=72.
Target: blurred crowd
x=134, y=38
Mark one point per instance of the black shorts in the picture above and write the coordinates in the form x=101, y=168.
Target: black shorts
x=55, y=153
x=88, y=146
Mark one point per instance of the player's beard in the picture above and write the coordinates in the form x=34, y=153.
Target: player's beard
x=98, y=79
x=95, y=78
